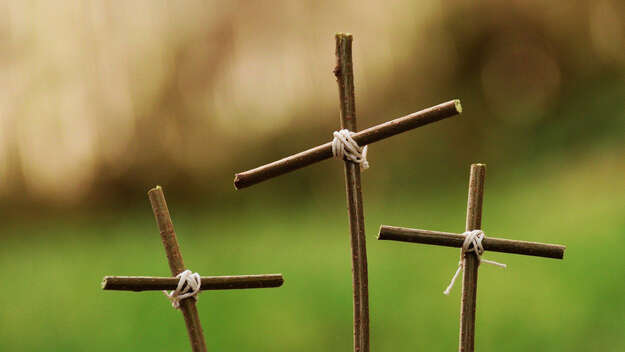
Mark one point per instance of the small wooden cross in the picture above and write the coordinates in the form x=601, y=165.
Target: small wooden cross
x=345, y=79
x=176, y=265
x=470, y=260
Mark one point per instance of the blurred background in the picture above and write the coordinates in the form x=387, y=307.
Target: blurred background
x=100, y=101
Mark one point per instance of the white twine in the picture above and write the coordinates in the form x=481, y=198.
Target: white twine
x=472, y=243
x=188, y=286
x=343, y=145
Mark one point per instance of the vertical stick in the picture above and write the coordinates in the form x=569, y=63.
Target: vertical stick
x=345, y=79
x=168, y=236
x=471, y=263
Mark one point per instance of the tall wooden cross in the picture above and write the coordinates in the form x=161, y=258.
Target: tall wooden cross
x=176, y=265
x=470, y=260
x=345, y=79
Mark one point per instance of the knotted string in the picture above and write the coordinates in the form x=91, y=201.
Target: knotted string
x=189, y=284
x=472, y=243
x=343, y=145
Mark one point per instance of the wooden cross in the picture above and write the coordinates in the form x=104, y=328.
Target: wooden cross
x=345, y=79
x=470, y=261
x=187, y=306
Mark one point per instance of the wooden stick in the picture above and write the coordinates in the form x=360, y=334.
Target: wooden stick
x=176, y=265
x=470, y=260
x=151, y=283
x=448, y=239
x=345, y=79
x=364, y=137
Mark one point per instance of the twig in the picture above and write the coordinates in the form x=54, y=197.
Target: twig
x=364, y=137
x=345, y=79
x=448, y=239
x=470, y=260
x=168, y=236
x=151, y=283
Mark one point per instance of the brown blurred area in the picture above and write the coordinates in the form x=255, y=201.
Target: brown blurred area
x=101, y=100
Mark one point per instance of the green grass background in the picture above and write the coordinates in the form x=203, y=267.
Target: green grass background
x=51, y=297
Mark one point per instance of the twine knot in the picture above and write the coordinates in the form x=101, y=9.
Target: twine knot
x=189, y=284
x=343, y=145
x=472, y=243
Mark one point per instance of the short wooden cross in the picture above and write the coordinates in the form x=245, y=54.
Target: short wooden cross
x=470, y=260
x=176, y=265
x=345, y=79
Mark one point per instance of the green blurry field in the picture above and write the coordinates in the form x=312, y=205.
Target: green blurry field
x=52, y=271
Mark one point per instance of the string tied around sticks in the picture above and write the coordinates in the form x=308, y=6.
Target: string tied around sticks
x=472, y=243
x=189, y=284
x=343, y=145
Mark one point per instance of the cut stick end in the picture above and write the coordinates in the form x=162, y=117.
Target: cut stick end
x=380, y=234
x=104, y=283
x=561, y=254
x=343, y=35
x=155, y=189
x=458, y=106
x=237, y=182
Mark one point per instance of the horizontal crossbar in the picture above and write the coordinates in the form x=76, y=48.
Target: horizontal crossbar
x=447, y=239
x=364, y=137
x=151, y=283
